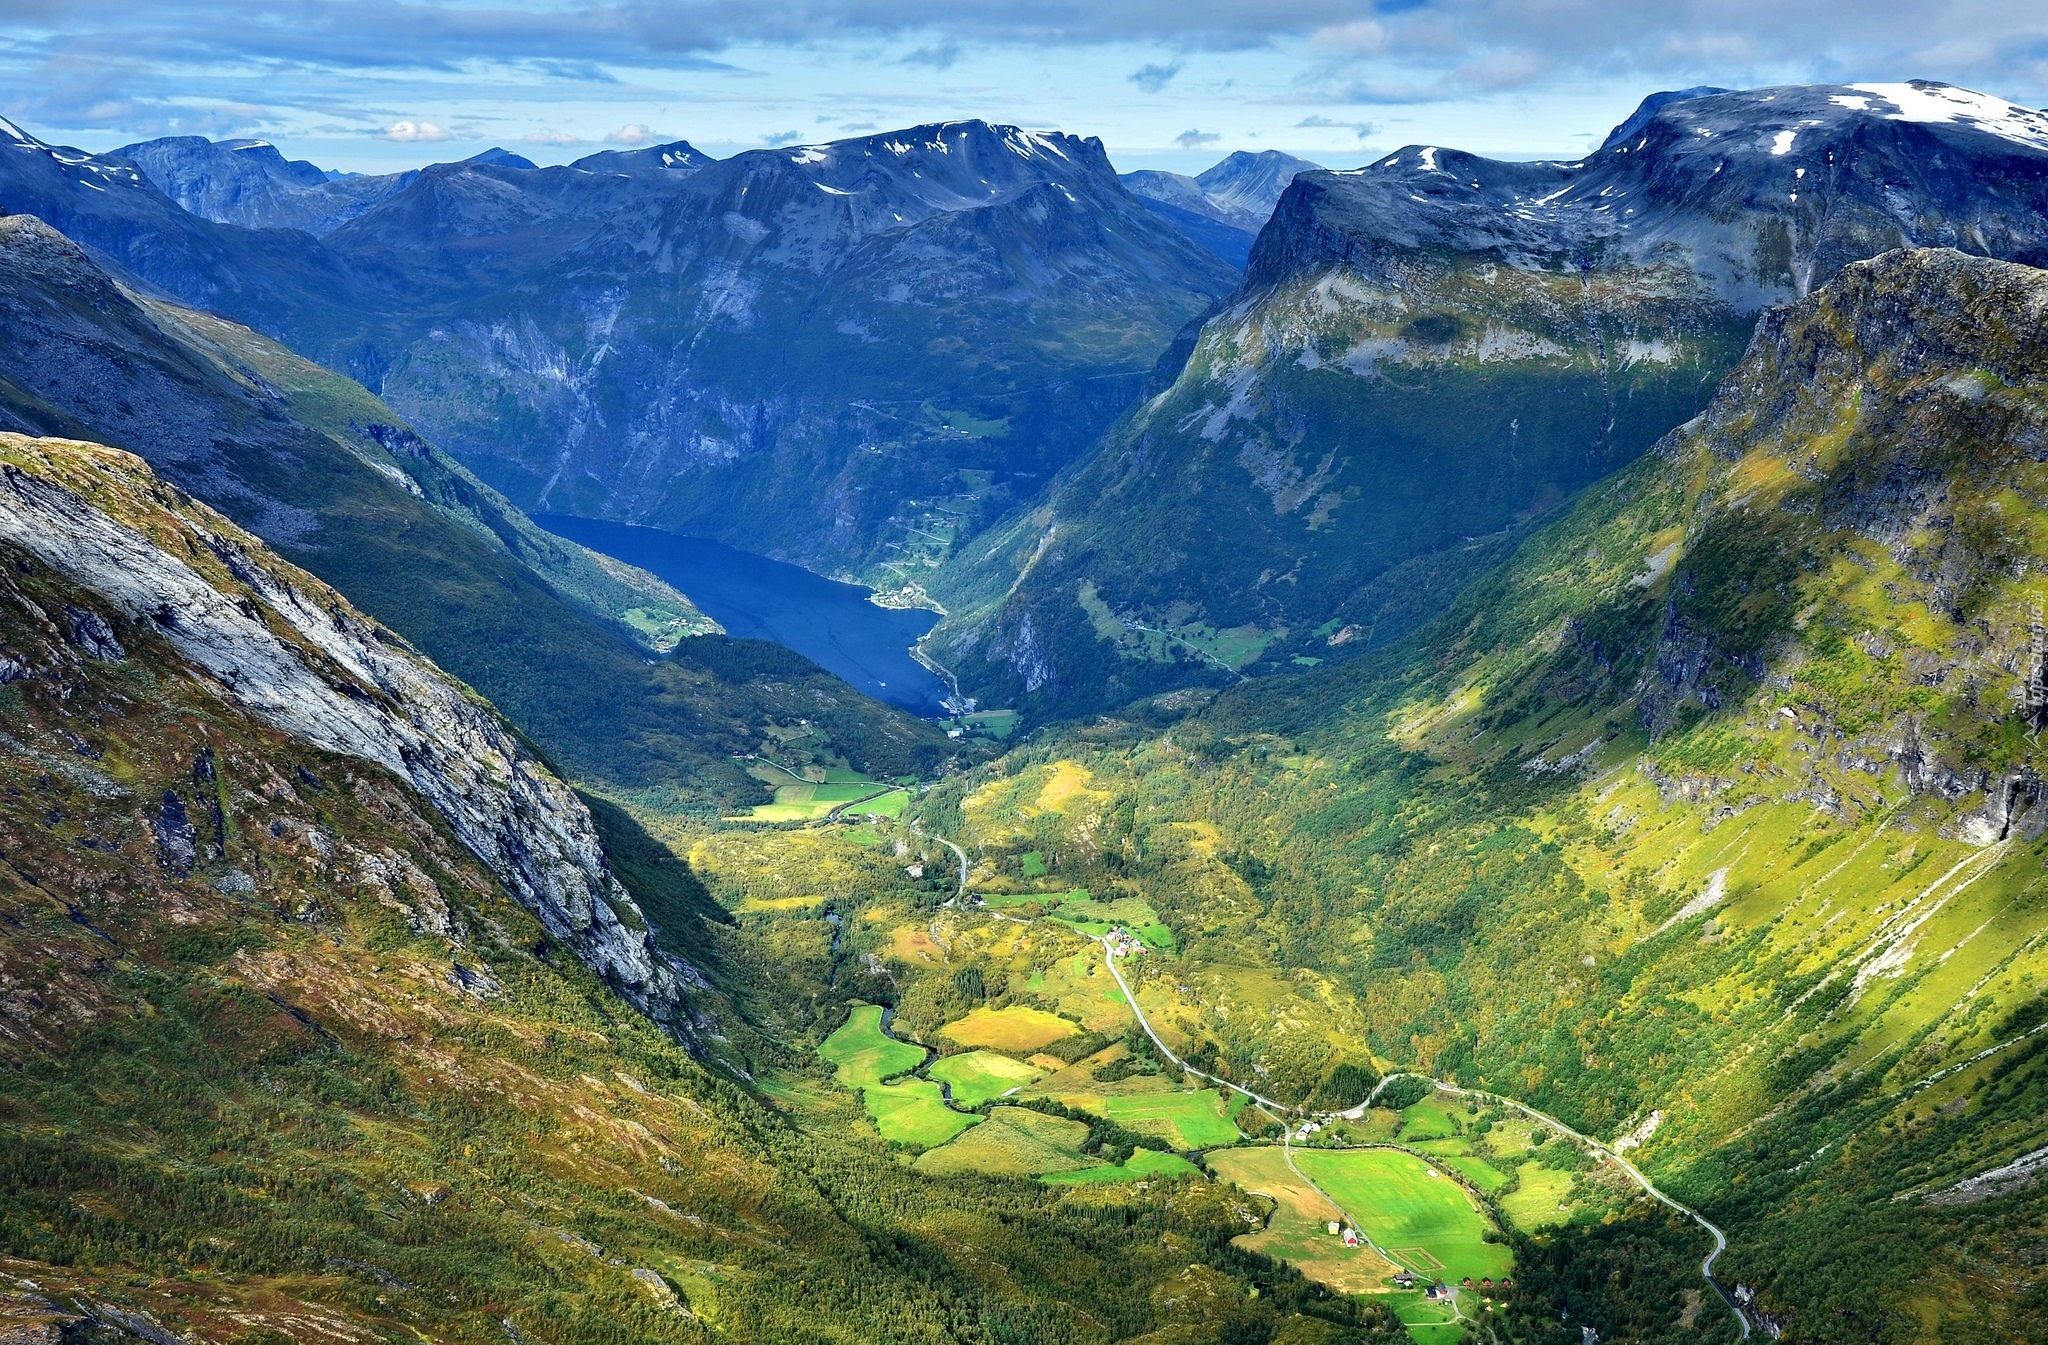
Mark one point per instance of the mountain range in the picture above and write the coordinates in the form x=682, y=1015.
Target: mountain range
x=1431, y=351
x=1506, y=805
x=660, y=338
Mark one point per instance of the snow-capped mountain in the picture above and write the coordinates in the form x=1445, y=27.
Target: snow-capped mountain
x=798, y=349
x=1224, y=207
x=1431, y=349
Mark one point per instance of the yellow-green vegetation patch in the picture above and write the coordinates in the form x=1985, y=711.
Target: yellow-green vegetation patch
x=1412, y=1209
x=1013, y=1141
x=1299, y=1230
x=890, y=804
x=912, y=1112
x=1540, y=1199
x=1479, y=1172
x=1186, y=1120
x=1004, y=901
x=862, y=1054
x=1142, y=1163
x=1428, y=1119
x=976, y=1077
x=1013, y=1028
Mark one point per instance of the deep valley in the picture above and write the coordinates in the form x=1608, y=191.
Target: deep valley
x=915, y=739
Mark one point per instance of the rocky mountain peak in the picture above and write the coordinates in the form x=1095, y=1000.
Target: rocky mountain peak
x=677, y=156
x=1766, y=192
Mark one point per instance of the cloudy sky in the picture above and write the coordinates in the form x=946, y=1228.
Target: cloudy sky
x=377, y=84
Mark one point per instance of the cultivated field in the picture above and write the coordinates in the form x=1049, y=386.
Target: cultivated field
x=1015, y=1028
x=912, y=1112
x=862, y=1054
x=1299, y=1231
x=1426, y=1223
x=982, y=1076
x=1015, y=1142
x=1143, y=1163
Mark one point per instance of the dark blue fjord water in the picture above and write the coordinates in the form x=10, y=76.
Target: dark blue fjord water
x=832, y=624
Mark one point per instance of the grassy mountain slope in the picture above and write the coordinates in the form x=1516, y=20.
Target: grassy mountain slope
x=558, y=637
x=283, y=1060
x=1713, y=818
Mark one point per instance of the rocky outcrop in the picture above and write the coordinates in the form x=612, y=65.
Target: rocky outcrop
x=289, y=650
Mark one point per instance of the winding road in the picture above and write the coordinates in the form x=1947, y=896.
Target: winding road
x=1282, y=1112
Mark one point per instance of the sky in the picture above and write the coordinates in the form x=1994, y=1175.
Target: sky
x=375, y=85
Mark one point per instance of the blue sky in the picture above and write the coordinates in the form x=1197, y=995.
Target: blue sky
x=380, y=84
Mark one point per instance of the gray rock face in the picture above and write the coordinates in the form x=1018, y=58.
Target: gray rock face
x=295, y=655
x=227, y=181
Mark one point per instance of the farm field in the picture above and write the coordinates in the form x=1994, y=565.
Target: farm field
x=862, y=1054
x=913, y=1112
x=1015, y=1028
x=1299, y=1231
x=1426, y=1223
x=807, y=801
x=1184, y=1119
x=1013, y=1141
x=1143, y=1163
x=1540, y=1199
x=982, y=1076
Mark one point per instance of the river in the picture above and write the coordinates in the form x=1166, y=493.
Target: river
x=831, y=623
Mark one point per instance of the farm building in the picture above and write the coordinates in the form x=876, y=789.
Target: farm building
x=1350, y=1237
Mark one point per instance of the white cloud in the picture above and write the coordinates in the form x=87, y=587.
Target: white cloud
x=633, y=133
x=414, y=132
x=550, y=138
x=1360, y=37
x=1196, y=139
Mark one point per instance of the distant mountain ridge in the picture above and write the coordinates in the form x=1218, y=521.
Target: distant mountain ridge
x=1433, y=349
x=821, y=352
x=1224, y=206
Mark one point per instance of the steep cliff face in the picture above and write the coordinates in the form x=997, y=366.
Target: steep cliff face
x=291, y=652
x=1437, y=348
x=318, y=1011
x=337, y=481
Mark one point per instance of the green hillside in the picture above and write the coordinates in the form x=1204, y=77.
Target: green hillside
x=1712, y=820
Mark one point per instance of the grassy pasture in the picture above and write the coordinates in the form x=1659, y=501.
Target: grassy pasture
x=807, y=801
x=1186, y=1120
x=862, y=1054
x=1427, y=1223
x=982, y=1076
x=1143, y=1163
x=1012, y=1142
x=1540, y=1199
x=1015, y=1028
x=913, y=1112
x=1299, y=1231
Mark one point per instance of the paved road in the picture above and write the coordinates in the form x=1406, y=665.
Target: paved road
x=1282, y=1113
x=1635, y=1173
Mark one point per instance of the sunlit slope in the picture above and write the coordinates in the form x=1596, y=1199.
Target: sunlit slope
x=1712, y=819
